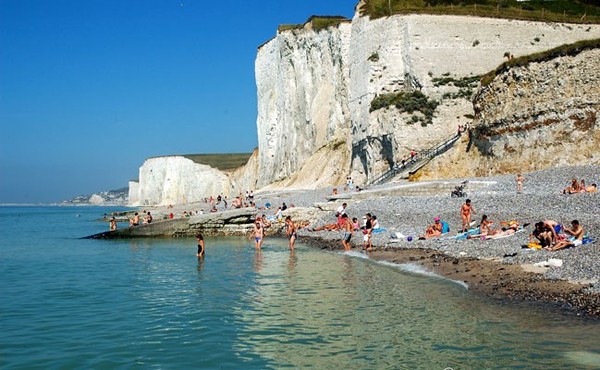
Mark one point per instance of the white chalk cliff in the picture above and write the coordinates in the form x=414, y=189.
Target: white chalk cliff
x=176, y=180
x=315, y=89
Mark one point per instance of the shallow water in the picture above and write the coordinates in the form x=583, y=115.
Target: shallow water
x=72, y=303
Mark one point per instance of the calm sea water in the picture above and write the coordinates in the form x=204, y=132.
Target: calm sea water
x=72, y=303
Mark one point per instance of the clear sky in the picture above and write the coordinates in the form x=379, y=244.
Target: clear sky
x=90, y=89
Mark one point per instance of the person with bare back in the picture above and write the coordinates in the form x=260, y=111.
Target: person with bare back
x=466, y=211
x=348, y=229
x=259, y=234
x=290, y=231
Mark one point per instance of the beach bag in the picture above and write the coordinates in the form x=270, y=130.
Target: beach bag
x=445, y=227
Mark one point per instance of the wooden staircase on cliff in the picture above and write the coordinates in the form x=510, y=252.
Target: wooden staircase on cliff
x=412, y=165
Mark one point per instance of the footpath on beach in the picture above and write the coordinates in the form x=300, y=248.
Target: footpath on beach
x=502, y=267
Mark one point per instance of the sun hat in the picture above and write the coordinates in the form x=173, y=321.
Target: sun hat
x=436, y=219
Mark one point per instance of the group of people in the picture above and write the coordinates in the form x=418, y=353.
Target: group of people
x=135, y=220
x=552, y=236
x=261, y=223
x=579, y=187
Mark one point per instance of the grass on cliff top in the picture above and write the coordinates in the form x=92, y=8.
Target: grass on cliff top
x=563, y=50
x=570, y=11
x=317, y=22
x=222, y=162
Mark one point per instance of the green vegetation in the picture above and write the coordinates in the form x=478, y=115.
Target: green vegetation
x=408, y=102
x=223, y=162
x=317, y=22
x=571, y=11
x=465, y=85
x=563, y=50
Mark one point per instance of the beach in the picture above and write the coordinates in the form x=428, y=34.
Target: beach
x=500, y=268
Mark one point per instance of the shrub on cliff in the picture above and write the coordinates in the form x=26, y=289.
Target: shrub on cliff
x=407, y=102
x=563, y=50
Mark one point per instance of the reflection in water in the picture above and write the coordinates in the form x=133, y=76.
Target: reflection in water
x=258, y=261
x=325, y=310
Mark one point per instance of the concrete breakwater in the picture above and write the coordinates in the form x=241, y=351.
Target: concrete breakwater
x=231, y=222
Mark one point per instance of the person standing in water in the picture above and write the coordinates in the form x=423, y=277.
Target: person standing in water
x=259, y=234
x=113, y=224
x=465, y=212
x=290, y=231
x=200, y=240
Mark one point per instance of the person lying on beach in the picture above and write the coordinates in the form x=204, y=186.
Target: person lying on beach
x=573, y=188
x=326, y=227
x=575, y=239
x=592, y=189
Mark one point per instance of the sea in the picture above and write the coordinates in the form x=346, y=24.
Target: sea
x=73, y=303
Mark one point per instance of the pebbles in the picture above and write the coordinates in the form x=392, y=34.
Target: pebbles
x=541, y=199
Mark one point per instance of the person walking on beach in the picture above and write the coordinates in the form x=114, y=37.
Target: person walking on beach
x=200, y=240
x=348, y=229
x=520, y=181
x=466, y=210
x=290, y=231
x=259, y=234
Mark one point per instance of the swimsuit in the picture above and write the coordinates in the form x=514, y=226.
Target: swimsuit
x=293, y=235
x=347, y=236
x=257, y=238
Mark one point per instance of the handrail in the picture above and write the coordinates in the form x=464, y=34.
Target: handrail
x=413, y=161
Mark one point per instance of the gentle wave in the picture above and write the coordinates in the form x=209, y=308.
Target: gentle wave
x=406, y=267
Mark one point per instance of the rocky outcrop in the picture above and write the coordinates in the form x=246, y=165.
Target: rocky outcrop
x=540, y=115
x=315, y=88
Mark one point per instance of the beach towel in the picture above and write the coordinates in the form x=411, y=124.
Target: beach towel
x=464, y=235
x=378, y=230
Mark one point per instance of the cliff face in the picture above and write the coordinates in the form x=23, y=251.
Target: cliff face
x=541, y=115
x=177, y=180
x=546, y=113
x=316, y=87
x=302, y=86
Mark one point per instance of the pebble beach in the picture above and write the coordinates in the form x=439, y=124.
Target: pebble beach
x=409, y=215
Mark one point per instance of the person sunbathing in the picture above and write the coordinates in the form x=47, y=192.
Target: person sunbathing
x=575, y=239
x=434, y=230
x=573, y=188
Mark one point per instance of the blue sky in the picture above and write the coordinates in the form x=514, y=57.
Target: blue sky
x=90, y=89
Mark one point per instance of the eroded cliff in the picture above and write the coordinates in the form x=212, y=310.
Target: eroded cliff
x=316, y=87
